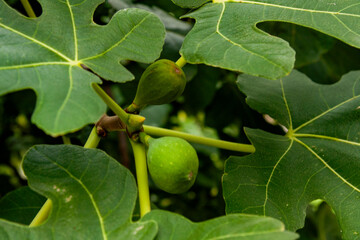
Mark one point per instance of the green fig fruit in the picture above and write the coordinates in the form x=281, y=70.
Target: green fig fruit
x=173, y=164
x=162, y=82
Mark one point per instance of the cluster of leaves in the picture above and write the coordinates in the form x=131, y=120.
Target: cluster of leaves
x=310, y=152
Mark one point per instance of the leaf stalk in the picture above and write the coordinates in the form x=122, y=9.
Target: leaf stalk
x=142, y=177
x=30, y=12
x=133, y=122
x=239, y=147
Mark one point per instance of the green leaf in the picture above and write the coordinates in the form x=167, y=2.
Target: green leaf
x=21, y=205
x=175, y=28
x=225, y=34
x=190, y=3
x=93, y=196
x=318, y=158
x=46, y=54
x=234, y=226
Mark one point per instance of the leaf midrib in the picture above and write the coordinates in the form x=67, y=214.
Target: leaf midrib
x=76, y=61
x=324, y=113
x=294, y=8
x=37, y=42
x=272, y=173
x=241, y=46
x=74, y=30
x=326, y=164
x=96, y=208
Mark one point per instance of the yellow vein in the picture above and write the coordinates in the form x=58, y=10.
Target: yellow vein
x=286, y=104
x=271, y=175
x=327, y=165
x=350, y=6
x=345, y=26
x=66, y=100
x=90, y=196
x=325, y=137
x=119, y=42
x=324, y=113
x=74, y=30
x=37, y=42
x=289, y=8
x=239, y=45
x=30, y=65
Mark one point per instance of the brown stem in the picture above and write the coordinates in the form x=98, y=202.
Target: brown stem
x=108, y=124
x=123, y=149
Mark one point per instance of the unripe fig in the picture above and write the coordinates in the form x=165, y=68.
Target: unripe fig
x=162, y=82
x=173, y=164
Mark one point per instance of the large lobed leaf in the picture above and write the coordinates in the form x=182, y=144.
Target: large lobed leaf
x=94, y=197
x=318, y=158
x=46, y=53
x=225, y=34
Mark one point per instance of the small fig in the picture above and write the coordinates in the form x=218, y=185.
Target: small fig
x=162, y=82
x=173, y=163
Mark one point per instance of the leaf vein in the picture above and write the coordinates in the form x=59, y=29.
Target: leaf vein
x=324, y=113
x=119, y=42
x=241, y=46
x=96, y=208
x=293, y=8
x=37, y=42
x=74, y=30
x=327, y=165
x=271, y=175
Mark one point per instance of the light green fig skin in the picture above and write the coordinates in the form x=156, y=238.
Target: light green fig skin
x=173, y=164
x=162, y=82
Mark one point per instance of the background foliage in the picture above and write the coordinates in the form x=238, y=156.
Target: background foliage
x=211, y=105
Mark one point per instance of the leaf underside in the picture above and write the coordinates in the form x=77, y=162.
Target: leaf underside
x=317, y=159
x=45, y=54
x=225, y=34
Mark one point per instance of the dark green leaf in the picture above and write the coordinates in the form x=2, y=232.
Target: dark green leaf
x=225, y=34
x=318, y=158
x=21, y=205
x=46, y=53
x=175, y=28
x=235, y=226
x=93, y=196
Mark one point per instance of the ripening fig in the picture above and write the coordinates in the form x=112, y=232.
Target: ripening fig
x=162, y=82
x=173, y=163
